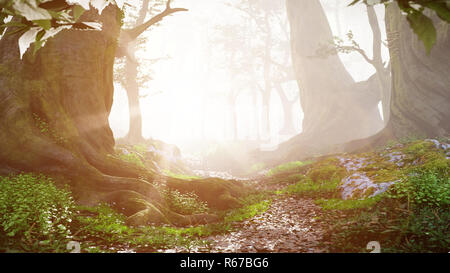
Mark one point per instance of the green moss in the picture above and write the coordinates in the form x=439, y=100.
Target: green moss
x=290, y=166
x=327, y=170
x=386, y=175
x=308, y=187
x=248, y=211
x=181, y=176
x=131, y=157
x=140, y=148
x=45, y=129
x=340, y=204
x=218, y=193
x=418, y=149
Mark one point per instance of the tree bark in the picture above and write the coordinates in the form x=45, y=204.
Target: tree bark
x=54, y=120
x=420, y=84
x=336, y=109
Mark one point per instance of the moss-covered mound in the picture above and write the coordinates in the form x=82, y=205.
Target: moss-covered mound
x=218, y=193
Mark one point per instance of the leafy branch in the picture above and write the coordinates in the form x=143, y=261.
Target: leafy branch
x=421, y=24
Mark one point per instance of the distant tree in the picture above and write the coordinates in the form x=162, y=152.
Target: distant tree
x=269, y=70
x=338, y=45
x=130, y=73
x=336, y=108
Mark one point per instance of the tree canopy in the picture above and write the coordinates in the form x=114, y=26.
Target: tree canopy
x=39, y=20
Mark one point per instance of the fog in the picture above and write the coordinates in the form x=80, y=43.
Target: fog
x=186, y=99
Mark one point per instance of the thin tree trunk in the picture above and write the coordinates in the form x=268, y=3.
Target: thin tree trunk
x=377, y=61
x=256, y=119
x=234, y=126
x=132, y=86
x=288, y=126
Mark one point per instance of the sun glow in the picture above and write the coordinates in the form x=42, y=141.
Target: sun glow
x=188, y=96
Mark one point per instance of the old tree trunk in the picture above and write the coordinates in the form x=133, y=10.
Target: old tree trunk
x=54, y=120
x=336, y=108
x=420, y=84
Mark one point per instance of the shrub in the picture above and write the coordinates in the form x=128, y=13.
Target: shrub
x=423, y=189
x=427, y=231
x=34, y=214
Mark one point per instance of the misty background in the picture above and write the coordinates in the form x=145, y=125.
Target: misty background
x=189, y=61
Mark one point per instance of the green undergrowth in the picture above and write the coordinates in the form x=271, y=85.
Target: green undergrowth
x=102, y=234
x=412, y=216
x=321, y=180
x=132, y=158
x=37, y=216
x=184, y=203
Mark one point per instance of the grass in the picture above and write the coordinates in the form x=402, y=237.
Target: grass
x=181, y=176
x=307, y=187
x=321, y=180
x=287, y=167
x=339, y=204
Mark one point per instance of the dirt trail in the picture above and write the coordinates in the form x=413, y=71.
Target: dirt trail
x=289, y=225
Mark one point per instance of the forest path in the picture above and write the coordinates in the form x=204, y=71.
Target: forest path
x=289, y=225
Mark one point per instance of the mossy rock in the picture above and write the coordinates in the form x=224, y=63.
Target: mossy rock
x=218, y=193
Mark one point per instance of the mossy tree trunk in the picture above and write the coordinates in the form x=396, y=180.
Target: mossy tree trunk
x=420, y=84
x=54, y=120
